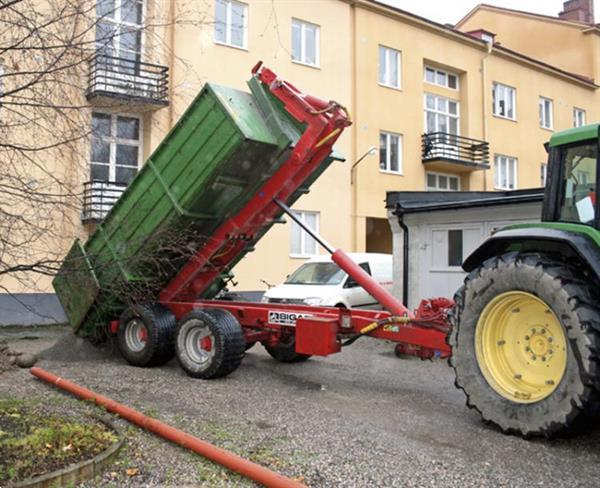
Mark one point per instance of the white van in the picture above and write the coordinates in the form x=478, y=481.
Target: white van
x=321, y=282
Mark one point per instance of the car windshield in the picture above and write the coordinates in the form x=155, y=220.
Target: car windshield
x=317, y=274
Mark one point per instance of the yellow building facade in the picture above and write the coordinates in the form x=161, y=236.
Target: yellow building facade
x=434, y=108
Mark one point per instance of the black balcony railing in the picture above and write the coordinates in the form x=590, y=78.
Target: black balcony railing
x=128, y=79
x=441, y=146
x=98, y=198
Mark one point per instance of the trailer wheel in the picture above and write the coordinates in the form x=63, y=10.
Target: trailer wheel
x=145, y=335
x=525, y=343
x=285, y=351
x=209, y=343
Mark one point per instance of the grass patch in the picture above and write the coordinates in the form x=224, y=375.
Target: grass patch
x=34, y=440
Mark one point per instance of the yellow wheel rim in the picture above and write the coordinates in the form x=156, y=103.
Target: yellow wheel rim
x=520, y=346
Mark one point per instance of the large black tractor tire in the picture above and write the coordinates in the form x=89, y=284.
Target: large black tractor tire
x=145, y=335
x=285, y=352
x=209, y=343
x=525, y=343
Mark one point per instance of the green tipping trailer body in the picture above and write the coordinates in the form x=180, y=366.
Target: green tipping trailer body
x=220, y=152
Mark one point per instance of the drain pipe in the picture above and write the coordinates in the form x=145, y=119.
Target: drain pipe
x=405, y=255
x=246, y=468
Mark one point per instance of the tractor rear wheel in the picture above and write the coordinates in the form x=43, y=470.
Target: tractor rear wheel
x=209, y=343
x=285, y=351
x=145, y=335
x=525, y=342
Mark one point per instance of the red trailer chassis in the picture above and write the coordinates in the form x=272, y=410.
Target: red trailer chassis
x=315, y=330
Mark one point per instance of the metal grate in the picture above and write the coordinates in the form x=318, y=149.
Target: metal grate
x=98, y=198
x=450, y=147
x=125, y=78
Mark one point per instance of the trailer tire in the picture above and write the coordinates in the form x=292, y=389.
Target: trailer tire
x=209, y=343
x=285, y=352
x=504, y=377
x=145, y=335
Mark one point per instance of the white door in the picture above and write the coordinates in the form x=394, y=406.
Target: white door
x=442, y=254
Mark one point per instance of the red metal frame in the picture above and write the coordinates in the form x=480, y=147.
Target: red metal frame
x=255, y=319
x=320, y=330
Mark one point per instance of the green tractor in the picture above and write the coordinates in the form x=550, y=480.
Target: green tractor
x=526, y=327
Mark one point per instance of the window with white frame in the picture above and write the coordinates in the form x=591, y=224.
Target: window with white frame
x=119, y=31
x=546, y=116
x=439, y=77
x=305, y=42
x=441, y=115
x=390, y=67
x=390, y=152
x=231, y=23
x=505, y=173
x=302, y=244
x=578, y=117
x=543, y=173
x=504, y=101
x=442, y=182
x=115, y=147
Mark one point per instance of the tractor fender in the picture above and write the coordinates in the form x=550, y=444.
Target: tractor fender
x=538, y=239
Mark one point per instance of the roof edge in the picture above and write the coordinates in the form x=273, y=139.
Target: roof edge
x=379, y=7
x=522, y=13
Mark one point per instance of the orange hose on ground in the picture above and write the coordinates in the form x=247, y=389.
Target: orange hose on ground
x=236, y=463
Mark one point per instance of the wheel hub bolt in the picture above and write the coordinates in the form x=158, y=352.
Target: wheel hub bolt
x=501, y=342
x=550, y=339
x=550, y=382
x=518, y=377
x=526, y=337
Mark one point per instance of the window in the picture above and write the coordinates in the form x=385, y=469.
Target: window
x=115, y=147
x=231, y=22
x=505, y=173
x=305, y=42
x=504, y=101
x=389, y=67
x=440, y=77
x=487, y=37
x=390, y=152
x=302, y=244
x=442, y=182
x=455, y=247
x=578, y=117
x=119, y=31
x=546, y=121
x=543, y=173
x=578, y=185
x=441, y=115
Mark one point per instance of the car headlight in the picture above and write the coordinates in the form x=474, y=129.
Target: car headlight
x=313, y=301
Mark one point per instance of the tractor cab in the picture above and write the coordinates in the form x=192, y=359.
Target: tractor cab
x=572, y=177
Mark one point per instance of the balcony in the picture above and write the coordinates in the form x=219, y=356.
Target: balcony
x=115, y=81
x=98, y=198
x=448, y=152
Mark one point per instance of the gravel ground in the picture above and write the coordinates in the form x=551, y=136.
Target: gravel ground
x=362, y=418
